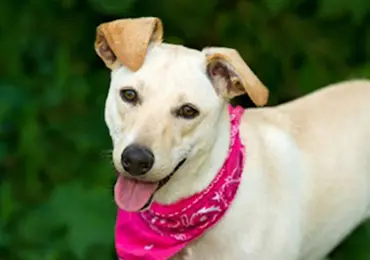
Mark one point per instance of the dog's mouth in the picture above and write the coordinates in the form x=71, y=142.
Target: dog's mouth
x=136, y=195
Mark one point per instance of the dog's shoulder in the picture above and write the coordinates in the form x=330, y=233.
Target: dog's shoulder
x=267, y=135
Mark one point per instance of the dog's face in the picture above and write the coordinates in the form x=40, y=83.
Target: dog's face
x=164, y=103
x=167, y=110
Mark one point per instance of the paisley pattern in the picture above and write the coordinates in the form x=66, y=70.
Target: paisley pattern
x=163, y=230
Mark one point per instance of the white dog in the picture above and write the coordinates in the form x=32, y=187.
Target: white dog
x=305, y=180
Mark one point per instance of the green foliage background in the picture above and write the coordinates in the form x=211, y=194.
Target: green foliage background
x=55, y=172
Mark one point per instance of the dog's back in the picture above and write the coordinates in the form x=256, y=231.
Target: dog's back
x=331, y=129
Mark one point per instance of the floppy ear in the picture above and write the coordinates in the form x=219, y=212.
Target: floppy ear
x=231, y=76
x=125, y=41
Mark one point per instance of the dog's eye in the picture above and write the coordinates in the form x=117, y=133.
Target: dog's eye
x=129, y=95
x=187, y=111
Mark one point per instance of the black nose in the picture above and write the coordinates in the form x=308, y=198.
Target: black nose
x=137, y=160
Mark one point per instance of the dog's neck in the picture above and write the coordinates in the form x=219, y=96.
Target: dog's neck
x=199, y=171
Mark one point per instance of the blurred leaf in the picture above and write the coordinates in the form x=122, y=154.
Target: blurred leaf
x=3, y=151
x=12, y=97
x=8, y=205
x=276, y=6
x=361, y=72
x=112, y=6
x=89, y=214
x=357, y=9
x=4, y=239
x=332, y=8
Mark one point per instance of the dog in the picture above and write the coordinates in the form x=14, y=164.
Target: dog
x=304, y=182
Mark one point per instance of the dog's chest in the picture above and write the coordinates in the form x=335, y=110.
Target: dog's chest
x=212, y=246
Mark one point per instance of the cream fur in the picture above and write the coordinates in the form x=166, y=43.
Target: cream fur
x=307, y=173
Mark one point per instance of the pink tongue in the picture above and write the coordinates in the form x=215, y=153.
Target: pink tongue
x=132, y=195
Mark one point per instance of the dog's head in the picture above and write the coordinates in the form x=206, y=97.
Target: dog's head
x=164, y=102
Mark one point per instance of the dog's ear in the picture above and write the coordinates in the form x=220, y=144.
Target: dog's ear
x=232, y=77
x=125, y=41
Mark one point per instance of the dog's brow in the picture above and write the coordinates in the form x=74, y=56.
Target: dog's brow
x=139, y=85
x=182, y=99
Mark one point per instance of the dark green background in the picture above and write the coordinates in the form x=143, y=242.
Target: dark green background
x=56, y=175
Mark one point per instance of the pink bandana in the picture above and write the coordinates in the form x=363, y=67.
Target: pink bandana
x=164, y=230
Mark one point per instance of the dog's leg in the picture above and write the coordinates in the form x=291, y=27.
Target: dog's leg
x=185, y=254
